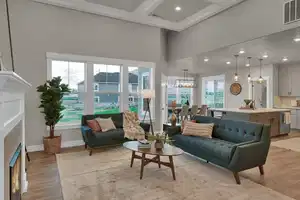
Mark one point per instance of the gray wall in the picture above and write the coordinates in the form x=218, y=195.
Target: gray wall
x=246, y=21
x=4, y=42
x=39, y=28
x=11, y=142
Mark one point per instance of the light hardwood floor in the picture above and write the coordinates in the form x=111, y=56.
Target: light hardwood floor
x=282, y=173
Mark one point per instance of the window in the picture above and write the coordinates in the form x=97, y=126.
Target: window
x=72, y=73
x=180, y=95
x=98, y=85
x=213, y=91
x=107, y=77
x=139, y=78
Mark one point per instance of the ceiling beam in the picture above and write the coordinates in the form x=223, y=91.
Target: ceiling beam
x=148, y=6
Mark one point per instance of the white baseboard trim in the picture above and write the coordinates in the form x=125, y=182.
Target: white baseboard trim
x=65, y=144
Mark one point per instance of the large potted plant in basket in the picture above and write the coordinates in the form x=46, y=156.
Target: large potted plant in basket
x=51, y=104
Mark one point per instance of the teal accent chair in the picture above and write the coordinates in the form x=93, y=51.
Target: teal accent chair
x=235, y=145
x=108, y=138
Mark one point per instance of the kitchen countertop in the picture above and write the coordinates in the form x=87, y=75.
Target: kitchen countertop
x=259, y=110
x=288, y=107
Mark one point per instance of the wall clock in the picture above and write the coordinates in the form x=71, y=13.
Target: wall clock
x=235, y=89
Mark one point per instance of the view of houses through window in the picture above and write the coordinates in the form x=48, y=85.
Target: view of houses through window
x=213, y=91
x=106, y=87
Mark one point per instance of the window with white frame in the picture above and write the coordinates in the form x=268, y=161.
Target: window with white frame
x=107, y=77
x=139, y=78
x=72, y=73
x=98, y=87
x=213, y=91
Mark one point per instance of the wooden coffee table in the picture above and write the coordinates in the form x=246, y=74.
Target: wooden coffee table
x=168, y=150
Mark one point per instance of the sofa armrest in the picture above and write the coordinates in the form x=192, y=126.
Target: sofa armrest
x=145, y=126
x=86, y=133
x=171, y=131
x=247, y=156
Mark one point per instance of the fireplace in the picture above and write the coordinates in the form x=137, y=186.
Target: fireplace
x=15, y=174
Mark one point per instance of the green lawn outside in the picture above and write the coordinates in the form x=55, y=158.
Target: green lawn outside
x=75, y=115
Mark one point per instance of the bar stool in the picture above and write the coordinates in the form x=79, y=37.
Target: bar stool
x=184, y=112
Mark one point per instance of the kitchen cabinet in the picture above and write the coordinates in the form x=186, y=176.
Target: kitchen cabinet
x=295, y=80
x=298, y=120
x=288, y=81
x=293, y=120
x=284, y=81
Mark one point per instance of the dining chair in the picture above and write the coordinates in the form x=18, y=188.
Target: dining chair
x=203, y=110
x=194, y=111
x=184, y=112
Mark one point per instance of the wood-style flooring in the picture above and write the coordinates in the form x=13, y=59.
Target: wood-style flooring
x=282, y=173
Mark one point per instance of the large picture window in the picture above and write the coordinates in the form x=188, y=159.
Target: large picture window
x=213, y=91
x=139, y=79
x=98, y=85
x=106, y=88
x=72, y=73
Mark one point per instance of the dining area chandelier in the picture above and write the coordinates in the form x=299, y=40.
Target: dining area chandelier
x=186, y=81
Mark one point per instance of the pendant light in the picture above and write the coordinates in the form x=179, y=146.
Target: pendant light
x=236, y=77
x=249, y=65
x=260, y=80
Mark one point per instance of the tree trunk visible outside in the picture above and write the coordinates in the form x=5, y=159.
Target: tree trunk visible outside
x=51, y=131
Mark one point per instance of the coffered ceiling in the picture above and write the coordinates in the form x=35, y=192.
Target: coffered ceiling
x=159, y=13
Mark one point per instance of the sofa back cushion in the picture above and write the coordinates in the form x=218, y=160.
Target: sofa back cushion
x=206, y=120
x=237, y=131
x=117, y=118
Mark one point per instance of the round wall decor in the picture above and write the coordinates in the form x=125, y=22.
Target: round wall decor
x=235, y=89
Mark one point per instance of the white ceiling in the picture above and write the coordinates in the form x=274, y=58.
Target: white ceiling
x=159, y=13
x=276, y=46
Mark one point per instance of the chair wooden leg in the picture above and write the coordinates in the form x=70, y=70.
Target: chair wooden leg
x=91, y=152
x=237, y=177
x=261, y=170
x=85, y=146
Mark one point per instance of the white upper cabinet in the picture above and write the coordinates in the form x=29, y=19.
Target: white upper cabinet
x=284, y=83
x=289, y=80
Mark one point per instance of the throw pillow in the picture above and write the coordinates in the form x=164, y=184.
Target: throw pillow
x=106, y=124
x=198, y=129
x=94, y=125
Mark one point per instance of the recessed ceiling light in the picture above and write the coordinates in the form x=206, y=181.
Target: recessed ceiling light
x=284, y=59
x=247, y=65
x=206, y=59
x=297, y=39
x=265, y=56
x=242, y=51
x=178, y=8
x=228, y=62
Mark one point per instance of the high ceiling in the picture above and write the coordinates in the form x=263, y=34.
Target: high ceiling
x=159, y=13
x=277, y=46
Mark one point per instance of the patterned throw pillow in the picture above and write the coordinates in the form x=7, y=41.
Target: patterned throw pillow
x=94, y=125
x=198, y=129
x=106, y=124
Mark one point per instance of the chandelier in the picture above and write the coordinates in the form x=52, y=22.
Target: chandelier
x=186, y=82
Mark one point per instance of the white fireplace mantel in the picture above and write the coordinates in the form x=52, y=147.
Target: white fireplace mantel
x=12, y=95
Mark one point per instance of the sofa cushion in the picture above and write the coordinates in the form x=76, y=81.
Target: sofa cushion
x=197, y=129
x=237, y=131
x=117, y=118
x=94, y=125
x=220, y=149
x=116, y=134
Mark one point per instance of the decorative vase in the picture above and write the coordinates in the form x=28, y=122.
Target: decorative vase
x=173, y=120
x=52, y=145
x=159, y=144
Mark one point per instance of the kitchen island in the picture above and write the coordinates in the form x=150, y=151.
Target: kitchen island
x=276, y=118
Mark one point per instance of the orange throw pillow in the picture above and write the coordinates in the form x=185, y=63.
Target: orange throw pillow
x=94, y=125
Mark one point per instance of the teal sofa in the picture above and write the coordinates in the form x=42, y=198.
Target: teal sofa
x=108, y=138
x=235, y=145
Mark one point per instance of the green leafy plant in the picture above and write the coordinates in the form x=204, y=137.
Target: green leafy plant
x=163, y=137
x=51, y=101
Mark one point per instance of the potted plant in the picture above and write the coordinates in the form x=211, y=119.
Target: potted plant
x=51, y=104
x=159, y=140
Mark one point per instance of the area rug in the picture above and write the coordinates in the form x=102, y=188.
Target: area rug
x=291, y=144
x=107, y=176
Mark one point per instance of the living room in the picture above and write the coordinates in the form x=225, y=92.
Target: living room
x=157, y=59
